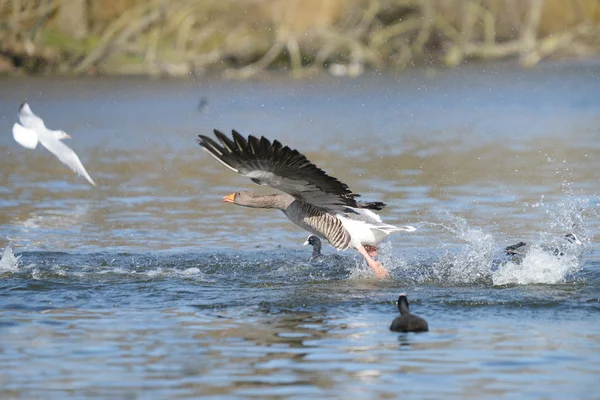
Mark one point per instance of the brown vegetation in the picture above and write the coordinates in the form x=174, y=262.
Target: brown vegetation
x=244, y=37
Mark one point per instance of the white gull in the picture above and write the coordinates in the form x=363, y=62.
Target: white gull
x=32, y=130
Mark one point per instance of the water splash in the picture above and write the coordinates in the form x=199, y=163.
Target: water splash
x=552, y=259
x=538, y=266
x=481, y=261
x=405, y=267
x=359, y=269
x=473, y=264
x=568, y=216
x=477, y=260
x=8, y=262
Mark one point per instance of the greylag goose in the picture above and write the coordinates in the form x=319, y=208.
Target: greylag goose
x=313, y=200
x=33, y=130
x=519, y=251
x=407, y=322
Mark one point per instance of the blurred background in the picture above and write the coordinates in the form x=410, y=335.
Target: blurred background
x=240, y=38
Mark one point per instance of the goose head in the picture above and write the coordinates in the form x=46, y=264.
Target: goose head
x=254, y=200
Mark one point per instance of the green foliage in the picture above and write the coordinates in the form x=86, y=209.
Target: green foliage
x=68, y=43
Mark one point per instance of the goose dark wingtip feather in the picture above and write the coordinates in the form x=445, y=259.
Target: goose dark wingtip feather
x=238, y=136
x=218, y=133
x=227, y=143
x=242, y=154
x=240, y=141
x=371, y=205
x=201, y=139
x=253, y=146
x=277, y=146
x=210, y=145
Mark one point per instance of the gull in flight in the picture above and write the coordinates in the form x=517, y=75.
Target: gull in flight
x=32, y=130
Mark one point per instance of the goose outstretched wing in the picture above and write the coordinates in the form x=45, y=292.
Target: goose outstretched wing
x=271, y=163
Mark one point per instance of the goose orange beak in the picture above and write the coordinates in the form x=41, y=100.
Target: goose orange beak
x=230, y=198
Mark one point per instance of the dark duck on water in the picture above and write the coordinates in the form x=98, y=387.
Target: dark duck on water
x=407, y=322
x=315, y=242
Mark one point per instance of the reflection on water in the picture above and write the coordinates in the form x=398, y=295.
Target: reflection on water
x=149, y=285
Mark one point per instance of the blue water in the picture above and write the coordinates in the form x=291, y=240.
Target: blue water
x=149, y=286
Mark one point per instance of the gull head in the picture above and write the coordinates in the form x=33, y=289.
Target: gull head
x=62, y=135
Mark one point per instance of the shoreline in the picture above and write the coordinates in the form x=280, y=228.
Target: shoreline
x=284, y=74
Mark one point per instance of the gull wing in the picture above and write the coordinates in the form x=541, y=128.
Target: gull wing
x=29, y=119
x=280, y=167
x=25, y=137
x=68, y=157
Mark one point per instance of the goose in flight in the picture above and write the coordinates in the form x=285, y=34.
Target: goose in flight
x=313, y=200
x=32, y=130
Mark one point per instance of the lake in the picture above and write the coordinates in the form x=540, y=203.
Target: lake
x=149, y=286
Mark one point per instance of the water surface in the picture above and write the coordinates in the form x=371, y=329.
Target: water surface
x=150, y=286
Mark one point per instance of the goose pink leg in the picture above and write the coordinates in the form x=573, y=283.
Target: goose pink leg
x=376, y=266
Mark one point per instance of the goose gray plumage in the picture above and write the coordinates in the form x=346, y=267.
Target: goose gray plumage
x=407, y=322
x=313, y=200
